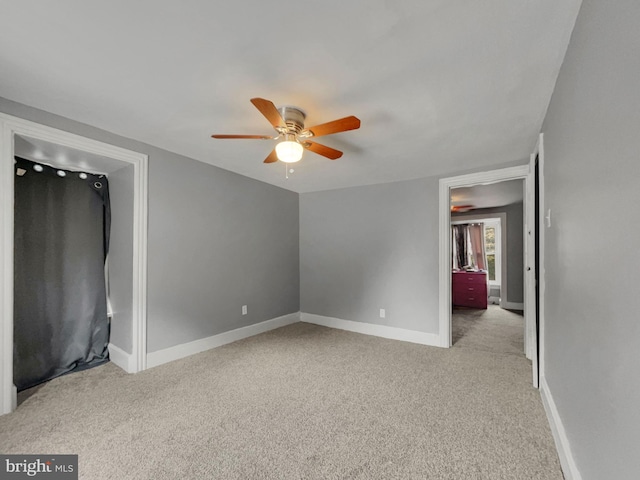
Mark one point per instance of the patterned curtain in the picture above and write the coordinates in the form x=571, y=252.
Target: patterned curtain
x=468, y=249
x=459, y=247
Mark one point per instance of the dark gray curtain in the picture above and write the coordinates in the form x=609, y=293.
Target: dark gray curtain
x=61, y=242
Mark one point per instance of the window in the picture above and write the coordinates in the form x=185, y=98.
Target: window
x=492, y=229
x=490, y=250
x=492, y=245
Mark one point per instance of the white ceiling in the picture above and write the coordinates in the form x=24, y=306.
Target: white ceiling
x=64, y=157
x=440, y=86
x=487, y=196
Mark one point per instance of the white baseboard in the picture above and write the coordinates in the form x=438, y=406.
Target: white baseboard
x=186, y=349
x=512, y=305
x=121, y=358
x=569, y=467
x=384, y=331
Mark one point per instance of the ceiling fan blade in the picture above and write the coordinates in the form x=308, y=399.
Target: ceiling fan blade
x=253, y=137
x=269, y=110
x=323, y=150
x=341, y=125
x=272, y=157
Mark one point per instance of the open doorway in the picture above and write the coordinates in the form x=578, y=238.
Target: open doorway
x=127, y=172
x=521, y=173
x=496, y=208
x=488, y=315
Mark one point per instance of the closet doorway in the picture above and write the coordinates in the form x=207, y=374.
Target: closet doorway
x=127, y=174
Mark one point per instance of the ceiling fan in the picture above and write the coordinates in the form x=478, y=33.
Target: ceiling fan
x=461, y=208
x=288, y=121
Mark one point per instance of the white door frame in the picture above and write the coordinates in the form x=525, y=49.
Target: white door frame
x=524, y=172
x=9, y=127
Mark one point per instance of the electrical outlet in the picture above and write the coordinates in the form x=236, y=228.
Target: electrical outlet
x=244, y=309
x=383, y=313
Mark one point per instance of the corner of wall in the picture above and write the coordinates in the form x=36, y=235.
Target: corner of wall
x=121, y=358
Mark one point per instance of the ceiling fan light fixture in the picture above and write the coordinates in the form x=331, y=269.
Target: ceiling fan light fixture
x=288, y=122
x=289, y=151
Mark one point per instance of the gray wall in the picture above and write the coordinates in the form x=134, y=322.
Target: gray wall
x=216, y=240
x=121, y=191
x=592, y=170
x=366, y=248
x=514, y=247
x=372, y=247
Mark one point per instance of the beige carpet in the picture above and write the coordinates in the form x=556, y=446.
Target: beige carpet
x=299, y=402
x=492, y=330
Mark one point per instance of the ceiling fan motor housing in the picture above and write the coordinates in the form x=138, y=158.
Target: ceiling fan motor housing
x=294, y=118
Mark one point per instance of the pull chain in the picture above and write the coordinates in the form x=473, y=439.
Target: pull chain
x=287, y=171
